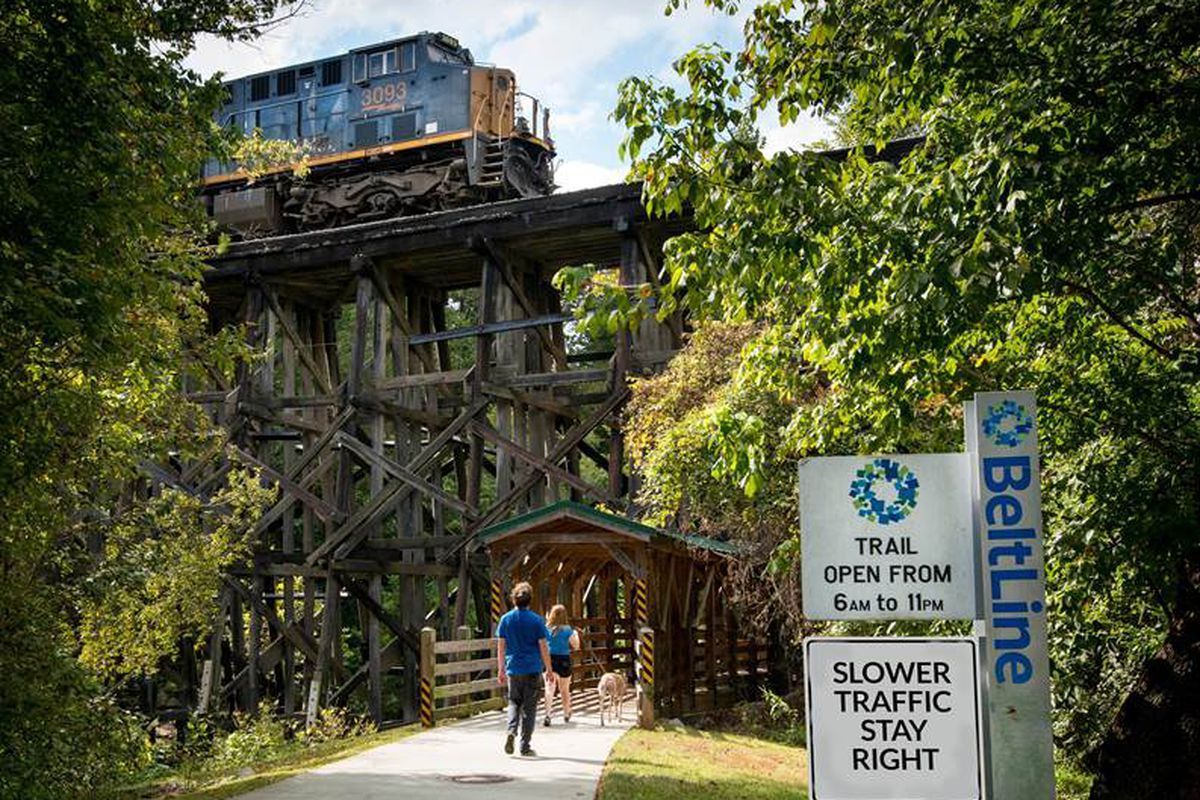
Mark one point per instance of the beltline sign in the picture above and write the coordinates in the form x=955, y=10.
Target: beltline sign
x=887, y=537
x=892, y=718
x=1002, y=440
x=934, y=536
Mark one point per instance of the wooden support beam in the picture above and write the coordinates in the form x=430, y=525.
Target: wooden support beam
x=389, y=656
x=296, y=635
x=423, y=379
x=568, y=441
x=284, y=504
x=623, y=558
x=356, y=528
x=544, y=401
x=363, y=595
x=210, y=678
x=502, y=258
x=354, y=565
x=414, y=542
x=653, y=268
x=490, y=434
x=375, y=459
x=330, y=630
x=399, y=315
x=512, y=559
x=302, y=347
x=562, y=378
x=323, y=509
x=502, y=326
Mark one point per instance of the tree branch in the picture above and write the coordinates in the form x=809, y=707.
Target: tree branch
x=1090, y=295
x=1158, y=200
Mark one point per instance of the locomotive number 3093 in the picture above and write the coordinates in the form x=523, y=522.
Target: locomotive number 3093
x=388, y=95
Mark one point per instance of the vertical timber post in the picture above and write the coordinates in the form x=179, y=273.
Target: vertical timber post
x=428, y=661
x=497, y=604
x=376, y=428
x=288, y=542
x=330, y=629
x=645, y=673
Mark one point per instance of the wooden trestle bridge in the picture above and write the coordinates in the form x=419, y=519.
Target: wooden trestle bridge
x=424, y=466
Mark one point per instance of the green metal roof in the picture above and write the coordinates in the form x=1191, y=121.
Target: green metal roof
x=583, y=513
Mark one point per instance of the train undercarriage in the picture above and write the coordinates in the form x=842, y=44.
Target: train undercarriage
x=420, y=181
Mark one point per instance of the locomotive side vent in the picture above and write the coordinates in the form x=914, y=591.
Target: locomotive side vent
x=285, y=82
x=331, y=73
x=404, y=126
x=260, y=88
x=366, y=133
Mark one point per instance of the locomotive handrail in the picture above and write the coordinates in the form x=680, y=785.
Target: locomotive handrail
x=535, y=118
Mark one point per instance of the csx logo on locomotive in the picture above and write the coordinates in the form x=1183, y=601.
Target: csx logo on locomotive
x=406, y=126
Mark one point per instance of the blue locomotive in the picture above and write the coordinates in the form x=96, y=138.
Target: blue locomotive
x=401, y=127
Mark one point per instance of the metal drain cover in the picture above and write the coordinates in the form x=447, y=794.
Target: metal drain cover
x=480, y=778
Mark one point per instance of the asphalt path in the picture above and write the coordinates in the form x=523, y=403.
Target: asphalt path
x=466, y=759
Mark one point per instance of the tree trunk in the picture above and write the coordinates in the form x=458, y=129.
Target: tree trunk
x=1152, y=749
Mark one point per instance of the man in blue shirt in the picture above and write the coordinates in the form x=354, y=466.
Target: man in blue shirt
x=523, y=656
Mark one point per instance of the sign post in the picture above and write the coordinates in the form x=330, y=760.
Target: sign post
x=896, y=718
x=1002, y=438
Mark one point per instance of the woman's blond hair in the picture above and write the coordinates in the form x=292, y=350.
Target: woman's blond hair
x=557, y=616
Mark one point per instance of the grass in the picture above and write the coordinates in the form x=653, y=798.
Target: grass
x=214, y=785
x=684, y=763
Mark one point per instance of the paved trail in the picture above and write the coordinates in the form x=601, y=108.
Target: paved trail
x=451, y=762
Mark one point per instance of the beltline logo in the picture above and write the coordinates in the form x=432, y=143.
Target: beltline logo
x=895, y=476
x=1007, y=424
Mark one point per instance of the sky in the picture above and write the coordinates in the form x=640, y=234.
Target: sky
x=571, y=54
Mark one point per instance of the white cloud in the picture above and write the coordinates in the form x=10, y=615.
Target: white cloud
x=569, y=53
x=798, y=135
x=571, y=175
x=329, y=27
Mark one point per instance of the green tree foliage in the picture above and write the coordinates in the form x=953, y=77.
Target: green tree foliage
x=158, y=575
x=675, y=431
x=1042, y=232
x=102, y=133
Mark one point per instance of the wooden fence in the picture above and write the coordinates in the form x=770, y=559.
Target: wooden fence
x=458, y=676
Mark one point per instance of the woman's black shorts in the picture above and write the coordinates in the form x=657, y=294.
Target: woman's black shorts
x=561, y=665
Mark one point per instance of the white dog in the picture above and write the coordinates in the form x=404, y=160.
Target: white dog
x=612, y=694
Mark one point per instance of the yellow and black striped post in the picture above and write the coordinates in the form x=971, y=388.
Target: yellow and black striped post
x=428, y=667
x=426, y=704
x=646, y=658
x=645, y=675
x=498, y=604
x=641, y=615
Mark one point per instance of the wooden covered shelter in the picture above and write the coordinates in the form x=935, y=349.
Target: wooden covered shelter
x=648, y=602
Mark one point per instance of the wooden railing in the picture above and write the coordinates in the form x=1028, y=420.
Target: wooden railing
x=458, y=676
x=606, y=645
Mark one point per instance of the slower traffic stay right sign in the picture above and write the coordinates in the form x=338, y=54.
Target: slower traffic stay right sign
x=892, y=718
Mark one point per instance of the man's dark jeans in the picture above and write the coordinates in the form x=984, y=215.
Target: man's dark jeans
x=523, y=694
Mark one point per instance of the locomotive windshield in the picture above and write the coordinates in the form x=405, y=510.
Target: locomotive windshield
x=439, y=55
